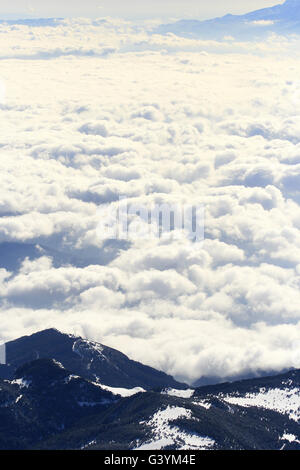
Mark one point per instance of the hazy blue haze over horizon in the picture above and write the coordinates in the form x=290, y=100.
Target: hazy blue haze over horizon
x=132, y=9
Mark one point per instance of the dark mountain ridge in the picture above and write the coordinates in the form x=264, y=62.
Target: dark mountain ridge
x=89, y=359
x=46, y=405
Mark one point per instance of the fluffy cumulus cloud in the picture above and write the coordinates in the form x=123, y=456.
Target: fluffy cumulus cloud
x=92, y=111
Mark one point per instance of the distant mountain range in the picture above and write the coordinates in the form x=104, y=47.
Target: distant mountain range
x=38, y=22
x=281, y=19
x=64, y=392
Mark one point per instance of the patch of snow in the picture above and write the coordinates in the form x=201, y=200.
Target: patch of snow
x=71, y=377
x=82, y=346
x=290, y=438
x=88, y=444
x=156, y=444
x=96, y=346
x=173, y=392
x=59, y=364
x=196, y=442
x=21, y=382
x=165, y=434
x=124, y=392
x=205, y=404
x=284, y=401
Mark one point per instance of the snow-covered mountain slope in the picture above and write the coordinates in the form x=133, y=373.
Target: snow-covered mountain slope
x=87, y=359
x=44, y=399
x=280, y=394
x=282, y=19
x=46, y=405
x=165, y=434
x=252, y=414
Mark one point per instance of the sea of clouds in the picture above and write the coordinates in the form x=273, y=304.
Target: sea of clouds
x=92, y=111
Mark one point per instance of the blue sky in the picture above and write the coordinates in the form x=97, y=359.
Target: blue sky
x=129, y=8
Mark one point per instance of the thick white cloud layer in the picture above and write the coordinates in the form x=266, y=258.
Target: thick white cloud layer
x=91, y=111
